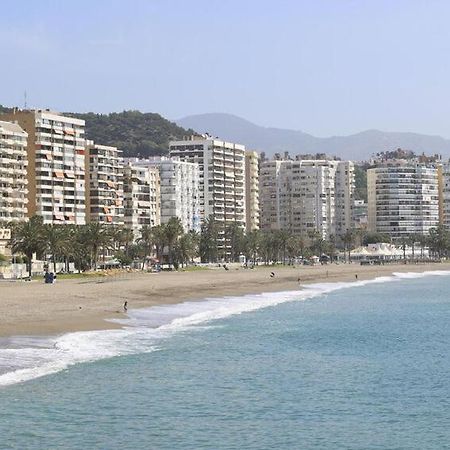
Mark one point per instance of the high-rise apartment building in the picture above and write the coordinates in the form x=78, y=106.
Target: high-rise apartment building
x=104, y=184
x=304, y=196
x=141, y=187
x=403, y=199
x=179, y=190
x=13, y=172
x=252, y=190
x=222, y=176
x=56, y=150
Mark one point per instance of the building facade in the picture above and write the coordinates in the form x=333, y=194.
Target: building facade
x=141, y=187
x=305, y=196
x=179, y=190
x=221, y=177
x=252, y=190
x=56, y=150
x=360, y=215
x=104, y=184
x=13, y=173
x=403, y=199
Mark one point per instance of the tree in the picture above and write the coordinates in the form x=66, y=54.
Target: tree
x=29, y=238
x=234, y=236
x=209, y=235
x=95, y=236
x=187, y=248
x=172, y=231
x=252, y=243
x=57, y=240
x=348, y=239
x=159, y=240
x=146, y=241
x=439, y=241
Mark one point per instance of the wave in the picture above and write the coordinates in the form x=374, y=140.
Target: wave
x=24, y=358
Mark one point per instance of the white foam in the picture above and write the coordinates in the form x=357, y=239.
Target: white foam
x=25, y=358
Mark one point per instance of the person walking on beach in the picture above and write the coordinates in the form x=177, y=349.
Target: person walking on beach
x=125, y=306
x=356, y=276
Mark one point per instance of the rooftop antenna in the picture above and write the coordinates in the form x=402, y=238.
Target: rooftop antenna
x=25, y=100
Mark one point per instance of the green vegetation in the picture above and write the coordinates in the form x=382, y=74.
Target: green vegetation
x=136, y=133
x=87, y=246
x=361, y=182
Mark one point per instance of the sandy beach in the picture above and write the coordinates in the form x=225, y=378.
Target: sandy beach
x=30, y=308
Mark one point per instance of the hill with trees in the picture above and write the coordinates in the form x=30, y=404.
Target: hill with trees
x=133, y=132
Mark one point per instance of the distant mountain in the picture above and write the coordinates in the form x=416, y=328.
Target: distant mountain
x=357, y=147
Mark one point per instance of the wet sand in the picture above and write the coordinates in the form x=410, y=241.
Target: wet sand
x=30, y=308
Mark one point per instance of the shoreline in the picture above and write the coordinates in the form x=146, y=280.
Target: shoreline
x=34, y=308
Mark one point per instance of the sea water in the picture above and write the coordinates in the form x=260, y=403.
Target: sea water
x=361, y=365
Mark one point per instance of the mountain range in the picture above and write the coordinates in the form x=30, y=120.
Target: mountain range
x=358, y=147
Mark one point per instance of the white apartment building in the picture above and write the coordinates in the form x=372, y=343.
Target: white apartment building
x=104, y=184
x=13, y=173
x=303, y=196
x=56, y=150
x=444, y=178
x=179, y=190
x=141, y=187
x=222, y=176
x=252, y=190
x=403, y=199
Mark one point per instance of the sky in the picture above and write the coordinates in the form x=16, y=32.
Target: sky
x=332, y=67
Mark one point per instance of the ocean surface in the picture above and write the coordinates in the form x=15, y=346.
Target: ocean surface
x=363, y=365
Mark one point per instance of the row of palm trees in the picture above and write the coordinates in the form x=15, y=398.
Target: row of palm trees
x=87, y=246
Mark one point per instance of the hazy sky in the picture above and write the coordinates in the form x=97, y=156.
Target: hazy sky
x=326, y=67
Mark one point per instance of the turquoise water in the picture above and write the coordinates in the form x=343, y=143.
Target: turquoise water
x=364, y=367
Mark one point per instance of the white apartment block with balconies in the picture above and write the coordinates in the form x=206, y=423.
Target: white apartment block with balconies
x=305, y=196
x=104, y=184
x=403, y=199
x=56, y=150
x=252, y=190
x=141, y=186
x=221, y=175
x=13, y=173
x=179, y=190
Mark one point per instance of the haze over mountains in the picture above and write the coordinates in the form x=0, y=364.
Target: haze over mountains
x=357, y=147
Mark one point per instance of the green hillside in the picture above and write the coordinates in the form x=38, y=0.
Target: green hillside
x=136, y=133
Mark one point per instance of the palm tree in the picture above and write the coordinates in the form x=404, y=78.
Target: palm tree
x=29, y=238
x=209, y=236
x=172, y=231
x=439, y=240
x=187, y=247
x=96, y=236
x=252, y=245
x=57, y=239
x=159, y=240
x=234, y=236
x=348, y=239
x=146, y=241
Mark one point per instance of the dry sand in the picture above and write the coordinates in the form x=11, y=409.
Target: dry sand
x=29, y=308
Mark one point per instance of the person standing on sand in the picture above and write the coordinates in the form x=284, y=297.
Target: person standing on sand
x=356, y=276
x=125, y=306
